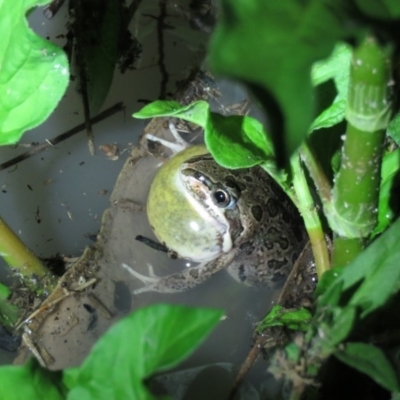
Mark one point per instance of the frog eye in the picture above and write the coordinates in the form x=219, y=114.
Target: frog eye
x=221, y=198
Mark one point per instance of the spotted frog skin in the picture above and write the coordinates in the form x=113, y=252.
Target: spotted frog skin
x=239, y=219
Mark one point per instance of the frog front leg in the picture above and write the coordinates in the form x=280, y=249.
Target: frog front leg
x=180, y=281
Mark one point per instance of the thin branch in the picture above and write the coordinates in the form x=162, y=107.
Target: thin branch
x=80, y=60
x=132, y=11
x=52, y=9
x=317, y=174
x=301, y=277
x=161, y=44
x=60, y=138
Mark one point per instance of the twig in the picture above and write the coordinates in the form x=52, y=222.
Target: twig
x=80, y=60
x=52, y=9
x=298, y=276
x=161, y=53
x=60, y=138
x=131, y=11
x=248, y=362
x=48, y=306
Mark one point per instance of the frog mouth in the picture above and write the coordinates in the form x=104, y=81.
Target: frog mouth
x=219, y=230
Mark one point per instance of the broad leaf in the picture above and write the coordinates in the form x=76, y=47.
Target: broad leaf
x=336, y=67
x=385, y=9
x=325, y=282
x=33, y=75
x=235, y=141
x=376, y=267
x=389, y=180
x=271, y=46
x=148, y=341
x=342, y=325
x=159, y=108
x=30, y=381
x=371, y=361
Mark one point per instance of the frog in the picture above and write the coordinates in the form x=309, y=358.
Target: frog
x=235, y=219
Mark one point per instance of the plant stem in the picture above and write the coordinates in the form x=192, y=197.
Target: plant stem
x=352, y=214
x=22, y=260
x=318, y=176
x=356, y=192
x=346, y=250
x=310, y=215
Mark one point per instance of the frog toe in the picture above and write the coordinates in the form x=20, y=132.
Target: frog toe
x=149, y=281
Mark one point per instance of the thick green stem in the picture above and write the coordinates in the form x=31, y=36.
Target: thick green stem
x=310, y=215
x=356, y=192
x=346, y=250
x=35, y=275
x=352, y=215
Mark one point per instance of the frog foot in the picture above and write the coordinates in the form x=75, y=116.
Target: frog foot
x=150, y=281
x=176, y=146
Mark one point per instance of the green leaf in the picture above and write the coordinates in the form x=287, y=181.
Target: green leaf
x=271, y=47
x=159, y=108
x=376, y=267
x=326, y=281
x=235, y=141
x=196, y=112
x=389, y=179
x=393, y=129
x=342, y=325
x=371, y=361
x=336, y=67
x=384, y=9
x=150, y=340
x=30, y=381
x=8, y=312
x=5, y=291
x=293, y=352
x=293, y=319
x=33, y=75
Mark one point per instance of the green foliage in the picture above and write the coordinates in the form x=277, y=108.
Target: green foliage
x=337, y=68
x=292, y=57
x=8, y=312
x=148, y=341
x=293, y=319
x=245, y=136
x=30, y=381
x=385, y=9
x=393, y=129
x=151, y=340
x=271, y=47
x=358, y=290
x=376, y=267
x=389, y=181
x=370, y=360
x=33, y=75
